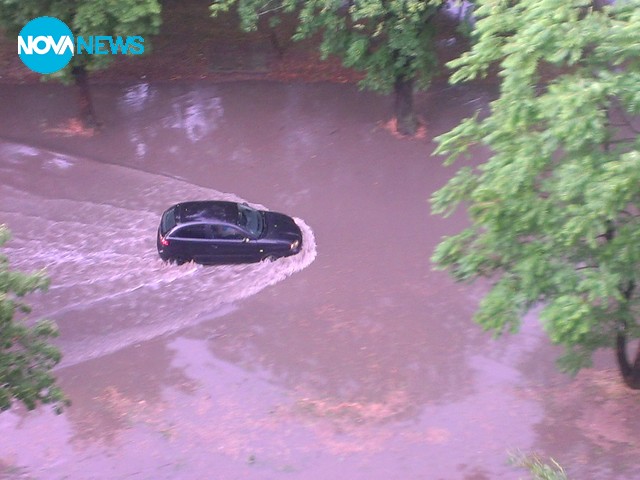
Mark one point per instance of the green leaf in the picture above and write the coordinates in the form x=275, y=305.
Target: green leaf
x=26, y=356
x=555, y=210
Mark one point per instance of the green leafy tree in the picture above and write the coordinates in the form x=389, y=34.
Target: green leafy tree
x=391, y=41
x=26, y=356
x=555, y=211
x=86, y=18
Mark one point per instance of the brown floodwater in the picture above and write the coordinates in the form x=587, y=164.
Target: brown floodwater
x=351, y=360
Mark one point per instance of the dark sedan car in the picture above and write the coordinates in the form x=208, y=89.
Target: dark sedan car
x=225, y=232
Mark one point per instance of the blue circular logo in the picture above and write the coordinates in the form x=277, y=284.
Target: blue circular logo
x=45, y=45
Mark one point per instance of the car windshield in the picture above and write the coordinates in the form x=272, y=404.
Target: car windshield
x=251, y=220
x=168, y=221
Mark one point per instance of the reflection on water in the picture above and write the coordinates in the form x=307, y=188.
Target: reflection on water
x=137, y=97
x=196, y=115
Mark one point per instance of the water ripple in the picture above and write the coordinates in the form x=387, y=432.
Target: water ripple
x=92, y=227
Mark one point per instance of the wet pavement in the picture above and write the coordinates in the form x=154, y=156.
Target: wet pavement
x=351, y=360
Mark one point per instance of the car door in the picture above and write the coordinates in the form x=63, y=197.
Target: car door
x=235, y=245
x=192, y=242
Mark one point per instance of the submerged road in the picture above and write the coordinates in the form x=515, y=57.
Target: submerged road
x=352, y=360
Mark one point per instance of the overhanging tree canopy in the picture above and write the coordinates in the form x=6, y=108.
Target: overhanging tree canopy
x=392, y=41
x=555, y=211
x=26, y=356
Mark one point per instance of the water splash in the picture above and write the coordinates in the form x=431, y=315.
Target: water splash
x=92, y=227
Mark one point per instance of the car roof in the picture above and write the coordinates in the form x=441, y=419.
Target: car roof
x=207, y=211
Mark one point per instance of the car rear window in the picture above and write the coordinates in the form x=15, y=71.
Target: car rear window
x=168, y=221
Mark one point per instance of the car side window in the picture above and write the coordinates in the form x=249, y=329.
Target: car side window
x=226, y=232
x=198, y=232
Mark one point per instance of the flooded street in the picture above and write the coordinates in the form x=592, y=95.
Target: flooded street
x=350, y=360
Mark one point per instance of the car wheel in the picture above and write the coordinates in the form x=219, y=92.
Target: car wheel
x=269, y=258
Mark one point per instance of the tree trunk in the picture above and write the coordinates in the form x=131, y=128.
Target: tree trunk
x=277, y=45
x=630, y=371
x=407, y=121
x=85, y=104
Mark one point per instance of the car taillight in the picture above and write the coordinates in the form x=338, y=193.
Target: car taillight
x=164, y=241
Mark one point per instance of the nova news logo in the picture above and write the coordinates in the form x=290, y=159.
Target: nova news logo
x=46, y=45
